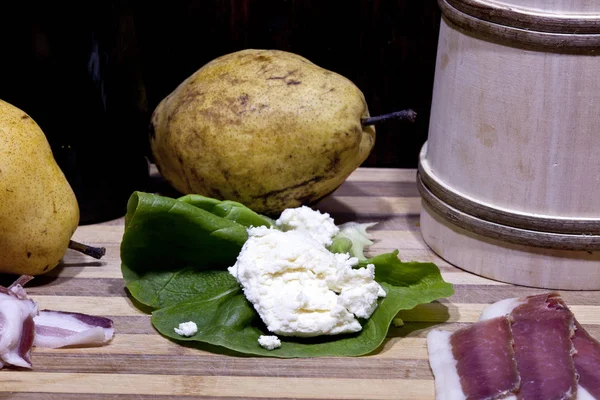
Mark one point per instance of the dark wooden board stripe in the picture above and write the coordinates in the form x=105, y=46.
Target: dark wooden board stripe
x=141, y=324
x=103, y=287
x=215, y=365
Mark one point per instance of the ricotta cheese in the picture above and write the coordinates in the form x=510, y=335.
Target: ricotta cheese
x=187, y=329
x=320, y=226
x=299, y=288
x=269, y=342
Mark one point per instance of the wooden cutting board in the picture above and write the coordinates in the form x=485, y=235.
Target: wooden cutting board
x=141, y=364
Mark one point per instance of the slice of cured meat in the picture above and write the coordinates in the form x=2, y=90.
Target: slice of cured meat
x=476, y=362
x=587, y=349
x=16, y=325
x=485, y=359
x=555, y=357
x=587, y=361
x=542, y=329
x=59, y=329
x=23, y=326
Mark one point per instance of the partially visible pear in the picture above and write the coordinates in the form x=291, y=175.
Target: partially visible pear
x=38, y=209
x=267, y=128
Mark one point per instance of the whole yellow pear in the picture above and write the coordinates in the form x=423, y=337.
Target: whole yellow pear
x=267, y=128
x=38, y=209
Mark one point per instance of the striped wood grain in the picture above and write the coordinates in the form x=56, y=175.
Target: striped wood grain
x=141, y=364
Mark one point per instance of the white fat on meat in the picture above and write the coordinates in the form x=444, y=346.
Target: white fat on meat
x=23, y=326
x=15, y=330
x=16, y=325
x=500, y=308
x=583, y=394
x=443, y=366
x=55, y=329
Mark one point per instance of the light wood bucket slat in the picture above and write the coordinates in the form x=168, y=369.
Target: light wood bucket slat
x=510, y=173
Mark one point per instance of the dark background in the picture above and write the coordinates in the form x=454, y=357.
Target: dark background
x=91, y=73
x=387, y=48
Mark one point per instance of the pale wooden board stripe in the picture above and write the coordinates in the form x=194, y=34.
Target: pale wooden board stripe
x=386, y=240
x=104, y=306
x=142, y=325
x=375, y=189
x=432, y=312
x=383, y=240
x=464, y=278
x=218, y=386
x=100, y=233
x=114, y=287
x=113, y=271
x=105, y=271
x=383, y=175
x=130, y=344
x=371, y=205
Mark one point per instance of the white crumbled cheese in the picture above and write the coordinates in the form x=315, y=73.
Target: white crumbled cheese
x=299, y=288
x=318, y=225
x=187, y=329
x=269, y=342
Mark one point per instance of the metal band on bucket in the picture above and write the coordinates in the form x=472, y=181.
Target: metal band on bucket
x=537, y=222
x=525, y=28
x=509, y=234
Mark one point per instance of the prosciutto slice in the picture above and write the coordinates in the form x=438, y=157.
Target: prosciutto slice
x=542, y=328
x=587, y=361
x=587, y=350
x=23, y=326
x=555, y=357
x=476, y=362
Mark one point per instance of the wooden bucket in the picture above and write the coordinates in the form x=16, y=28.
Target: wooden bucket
x=510, y=172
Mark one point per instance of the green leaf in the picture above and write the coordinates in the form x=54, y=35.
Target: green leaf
x=166, y=288
x=162, y=236
x=231, y=322
x=174, y=254
x=231, y=210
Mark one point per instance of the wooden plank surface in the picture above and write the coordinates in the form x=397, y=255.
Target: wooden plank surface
x=141, y=364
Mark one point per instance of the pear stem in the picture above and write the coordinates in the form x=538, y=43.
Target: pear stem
x=409, y=115
x=96, y=252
